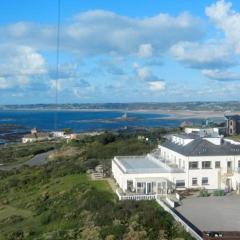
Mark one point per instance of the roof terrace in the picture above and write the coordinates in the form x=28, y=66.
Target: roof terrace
x=145, y=164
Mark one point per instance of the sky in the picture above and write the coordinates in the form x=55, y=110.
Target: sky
x=119, y=51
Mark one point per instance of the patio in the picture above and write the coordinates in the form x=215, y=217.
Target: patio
x=212, y=213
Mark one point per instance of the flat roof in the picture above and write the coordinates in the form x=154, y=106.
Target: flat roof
x=144, y=164
x=186, y=135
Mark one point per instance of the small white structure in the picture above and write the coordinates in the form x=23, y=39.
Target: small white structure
x=202, y=131
x=58, y=134
x=35, y=136
x=183, y=161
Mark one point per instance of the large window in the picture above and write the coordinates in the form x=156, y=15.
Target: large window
x=193, y=165
x=206, y=164
x=130, y=185
x=217, y=164
x=180, y=183
x=204, y=181
x=141, y=187
x=194, y=181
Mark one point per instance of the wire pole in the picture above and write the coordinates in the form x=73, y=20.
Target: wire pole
x=57, y=63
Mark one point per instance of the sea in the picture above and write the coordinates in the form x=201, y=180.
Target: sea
x=13, y=124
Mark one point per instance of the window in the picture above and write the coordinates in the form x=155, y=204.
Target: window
x=217, y=164
x=204, y=181
x=180, y=183
x=141, y=187
x=238, y=163
x=193, y=165
x=130, y=185
x=206, y=164
x=194, y=181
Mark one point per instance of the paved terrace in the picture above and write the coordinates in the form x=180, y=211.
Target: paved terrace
x=212, y=213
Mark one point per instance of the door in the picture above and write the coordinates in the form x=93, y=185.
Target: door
x=229, y=167
x=149, y=188
x=229, y=184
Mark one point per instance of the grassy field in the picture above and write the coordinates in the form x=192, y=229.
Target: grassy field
x=17, y=205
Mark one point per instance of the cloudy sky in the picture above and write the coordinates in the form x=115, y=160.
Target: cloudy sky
x=120, y=51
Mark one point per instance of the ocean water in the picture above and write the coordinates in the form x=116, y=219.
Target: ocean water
x=79, y=121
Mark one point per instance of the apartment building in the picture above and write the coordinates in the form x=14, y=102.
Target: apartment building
x=182, y=161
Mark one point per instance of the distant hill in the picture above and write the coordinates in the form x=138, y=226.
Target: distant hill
x=193, y=106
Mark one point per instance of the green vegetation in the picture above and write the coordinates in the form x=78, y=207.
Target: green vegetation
x=234, y=138
x=219, y=193
x=19, y=153
x=204, y=193
x=58, y=200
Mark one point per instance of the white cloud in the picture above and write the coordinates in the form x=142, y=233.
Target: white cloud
x=157, y=86
x=145, y=51
x=4, y=84
x=56, y=85
x=226, y=19
x=101, y=32
x=207, y=55
x=143, y=73
x=153, y=82
x=19, y=64
x=220, y=75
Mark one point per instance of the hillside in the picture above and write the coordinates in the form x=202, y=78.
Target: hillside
x=59, y=201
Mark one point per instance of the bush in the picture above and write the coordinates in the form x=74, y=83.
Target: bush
x=45, y=218
x=204, y=193
x=219, y=193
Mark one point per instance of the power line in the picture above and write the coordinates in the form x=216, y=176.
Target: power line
x=57, y=62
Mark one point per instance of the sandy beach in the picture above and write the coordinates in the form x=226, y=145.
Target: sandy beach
x=185, y=114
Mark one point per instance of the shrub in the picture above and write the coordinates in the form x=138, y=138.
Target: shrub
x=204, y=193
x=219, y=193
x=45, y=218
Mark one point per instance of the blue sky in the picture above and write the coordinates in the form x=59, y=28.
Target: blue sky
x=120, y=51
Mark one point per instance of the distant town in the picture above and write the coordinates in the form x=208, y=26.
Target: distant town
x=192, y=106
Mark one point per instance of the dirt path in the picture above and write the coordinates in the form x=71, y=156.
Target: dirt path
x=37, y=160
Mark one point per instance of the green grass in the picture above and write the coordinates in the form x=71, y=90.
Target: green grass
x=20, y=202
x=235, y=137
x=7, y=211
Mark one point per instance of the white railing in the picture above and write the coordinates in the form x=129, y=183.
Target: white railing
x=135, y=196
x=186, y=226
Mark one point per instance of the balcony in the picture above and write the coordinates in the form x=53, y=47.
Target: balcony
x=135, y=196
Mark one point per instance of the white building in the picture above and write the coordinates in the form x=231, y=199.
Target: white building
x=202, y=131
x=182, y=161
x=35, y=136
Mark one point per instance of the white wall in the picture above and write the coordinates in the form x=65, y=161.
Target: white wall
x=216, y=177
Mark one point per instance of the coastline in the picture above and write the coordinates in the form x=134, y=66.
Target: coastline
x=172, y=114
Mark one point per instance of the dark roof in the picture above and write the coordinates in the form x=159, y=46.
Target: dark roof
x=232, y=117
x=202, y=147
x=186, y=135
